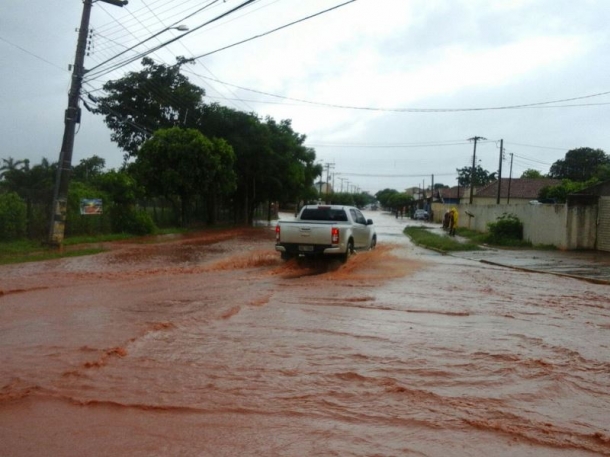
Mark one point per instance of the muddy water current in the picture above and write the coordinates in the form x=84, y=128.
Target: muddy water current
x=209, y=345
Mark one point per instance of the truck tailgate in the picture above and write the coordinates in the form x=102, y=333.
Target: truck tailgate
x=304, y=233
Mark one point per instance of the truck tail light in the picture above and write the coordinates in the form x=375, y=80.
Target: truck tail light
x=334, y=235
x=277, y=233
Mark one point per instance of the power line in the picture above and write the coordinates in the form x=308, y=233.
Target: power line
x=274, y=30
x=535, y=146
x=390, y=145
x=151, y=50
x=31, y=53
x=368, y=175
x=423, y=110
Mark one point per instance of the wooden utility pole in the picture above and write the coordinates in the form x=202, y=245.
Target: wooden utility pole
x=474, y=158
x=329, y=166
x=510, y=178
x=500, y=171
x=71, y=118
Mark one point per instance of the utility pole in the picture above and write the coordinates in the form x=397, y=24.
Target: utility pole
x=71, y=118
x=474, y=156
x=328, y=168
x=510, y=178
x=500, y=171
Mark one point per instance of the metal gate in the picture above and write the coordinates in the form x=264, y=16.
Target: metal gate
x=603, y=228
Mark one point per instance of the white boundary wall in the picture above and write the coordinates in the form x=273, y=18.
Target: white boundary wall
x=542, y=224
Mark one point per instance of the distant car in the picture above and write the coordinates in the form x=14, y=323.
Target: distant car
x=421, y=215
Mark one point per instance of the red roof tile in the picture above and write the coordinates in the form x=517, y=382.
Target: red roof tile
x=525, y=188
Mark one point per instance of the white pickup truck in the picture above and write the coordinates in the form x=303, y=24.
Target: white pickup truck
x=325, y=230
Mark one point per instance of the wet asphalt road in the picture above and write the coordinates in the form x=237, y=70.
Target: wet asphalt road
x=208, y=344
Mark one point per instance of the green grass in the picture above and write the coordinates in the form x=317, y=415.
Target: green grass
x=35, y=251
x=29, y=251
x=423, y=237
x=472, y=235
x=485, y=238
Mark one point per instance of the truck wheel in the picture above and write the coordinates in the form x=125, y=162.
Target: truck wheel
x=349, y=251
x=286, y=256
x=373, y=243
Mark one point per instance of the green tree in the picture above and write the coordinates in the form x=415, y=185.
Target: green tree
x=531, y=174
x=342, y=198
x=184, y=164
x=12, y=217
x=603, y=173
x=400, y=200
x=384, y=196
x=482, y=177
x=35, y=186
x=123, y=192
x=580, y=164
x=88, y=169
x=9, y=165
x=271, y=161
x=157, y=97
x=560, y=192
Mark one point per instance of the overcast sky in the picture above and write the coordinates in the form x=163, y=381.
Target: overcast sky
x=384, y=90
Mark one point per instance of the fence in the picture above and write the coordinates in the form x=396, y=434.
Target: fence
x=566, y=227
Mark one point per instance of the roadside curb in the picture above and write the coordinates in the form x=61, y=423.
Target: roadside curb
x=529, y=270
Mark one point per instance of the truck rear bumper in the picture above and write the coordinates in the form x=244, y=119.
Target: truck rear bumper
x=309, y=250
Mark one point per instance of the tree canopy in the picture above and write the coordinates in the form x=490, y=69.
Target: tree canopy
x=582, y=164
x=271, y=162
x=142, y=102
x=531, y=174
x=184, y=163
x=482, y=177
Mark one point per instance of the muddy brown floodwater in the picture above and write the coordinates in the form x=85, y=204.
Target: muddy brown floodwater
x=211, y=346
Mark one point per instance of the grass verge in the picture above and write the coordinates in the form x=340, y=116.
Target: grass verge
x=32, y=252
x=422, y=236
x=485, y=238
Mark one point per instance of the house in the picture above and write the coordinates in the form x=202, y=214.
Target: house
x=416, y=192
x=323, y=188
x=451, y=195
x=514, y=191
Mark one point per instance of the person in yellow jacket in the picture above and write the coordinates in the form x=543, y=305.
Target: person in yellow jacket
x=453, y=221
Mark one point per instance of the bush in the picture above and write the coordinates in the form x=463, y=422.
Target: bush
x=506, y=229
x=13, y=217
x=136, y=222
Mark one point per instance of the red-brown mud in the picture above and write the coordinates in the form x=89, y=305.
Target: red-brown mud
x=211, y=345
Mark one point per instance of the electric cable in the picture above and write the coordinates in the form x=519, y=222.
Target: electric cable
x=274, y=30
x=422, y=110
x=118, y=65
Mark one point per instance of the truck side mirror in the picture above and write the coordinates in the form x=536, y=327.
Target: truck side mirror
x=369, y=222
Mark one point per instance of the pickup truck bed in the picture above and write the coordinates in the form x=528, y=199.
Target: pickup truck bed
x=325, y=230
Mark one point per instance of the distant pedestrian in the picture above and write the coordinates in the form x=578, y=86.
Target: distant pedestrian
x=453, y=221
x=446, y=218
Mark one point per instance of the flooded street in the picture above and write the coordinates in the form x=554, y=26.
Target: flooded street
x=210, y=345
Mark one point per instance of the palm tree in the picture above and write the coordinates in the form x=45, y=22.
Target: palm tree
x=11, y=164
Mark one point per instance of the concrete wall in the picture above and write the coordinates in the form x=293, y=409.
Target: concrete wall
x=563, y=227
x=582, y=223
x=581, y=227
